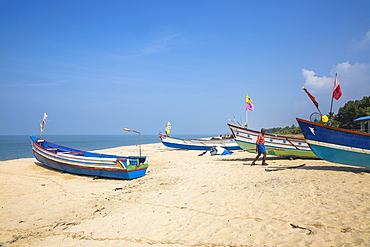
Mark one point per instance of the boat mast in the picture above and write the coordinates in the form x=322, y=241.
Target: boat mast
x=246, y=119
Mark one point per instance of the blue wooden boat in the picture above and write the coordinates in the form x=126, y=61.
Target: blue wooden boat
x=88, y=163
x=227, y=143
x=336, y=144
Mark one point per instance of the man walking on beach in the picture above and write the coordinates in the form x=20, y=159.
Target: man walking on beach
x=260, y=148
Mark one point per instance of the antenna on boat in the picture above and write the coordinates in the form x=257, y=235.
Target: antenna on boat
x=234, y=121
x=130, y=130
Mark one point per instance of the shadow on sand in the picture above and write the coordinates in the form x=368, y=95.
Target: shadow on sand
x=334, y=167
x=337, y=168
x=251, y=159
x=80, y=175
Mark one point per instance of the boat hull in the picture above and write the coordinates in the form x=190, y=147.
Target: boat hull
x=87, y=163
x=279, y=145
x=337, y=145
x=198, y=144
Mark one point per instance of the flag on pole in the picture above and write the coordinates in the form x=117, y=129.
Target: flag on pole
x=168, y=128
x=248, y=100
x=337, y=92
x=311, y=97
x=42, y=124
x=250, y=106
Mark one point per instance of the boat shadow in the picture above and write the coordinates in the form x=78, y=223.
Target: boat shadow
x=337, y=168
x=260, y=158
x=79, y=175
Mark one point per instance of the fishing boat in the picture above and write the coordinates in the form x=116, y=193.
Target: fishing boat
x=88, y=163
x=279, y=145
x=226, y=142
x=337, y=145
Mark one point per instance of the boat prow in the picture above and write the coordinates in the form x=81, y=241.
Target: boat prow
x=337, y=145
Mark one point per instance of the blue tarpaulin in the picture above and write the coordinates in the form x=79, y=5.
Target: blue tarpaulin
x=362, y=119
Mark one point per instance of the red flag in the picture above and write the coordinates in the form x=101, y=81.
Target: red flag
x=311, y=97
x=337, y=92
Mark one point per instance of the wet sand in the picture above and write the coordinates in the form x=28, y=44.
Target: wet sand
x=187, y=200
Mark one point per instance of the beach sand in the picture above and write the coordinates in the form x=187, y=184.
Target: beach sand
x=187, y=200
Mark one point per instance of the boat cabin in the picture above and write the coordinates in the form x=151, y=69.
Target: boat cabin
x=363, y=121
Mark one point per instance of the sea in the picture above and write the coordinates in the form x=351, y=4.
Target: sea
x=19, y=146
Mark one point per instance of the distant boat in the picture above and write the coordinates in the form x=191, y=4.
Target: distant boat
x=336, y=144
x=88, y=163
x=227, y=142
x=280, y=145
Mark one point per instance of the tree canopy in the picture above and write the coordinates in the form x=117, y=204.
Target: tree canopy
x=351, y=111
x=294, y=130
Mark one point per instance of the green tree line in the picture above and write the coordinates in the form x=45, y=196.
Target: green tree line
x=349, y=112
x=293, y=130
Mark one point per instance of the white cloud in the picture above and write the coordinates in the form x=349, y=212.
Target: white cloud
x=357, y=74
x=367, y=36
x=315, y=82
x=363, y=43
x=354, y=79
x=357, y=70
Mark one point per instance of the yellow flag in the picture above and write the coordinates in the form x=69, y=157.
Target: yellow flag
x=247, y=99
x=168, y=128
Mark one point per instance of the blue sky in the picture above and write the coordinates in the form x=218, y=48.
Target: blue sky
x=96, y=67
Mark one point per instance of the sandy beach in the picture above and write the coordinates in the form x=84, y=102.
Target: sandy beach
x=187, y=200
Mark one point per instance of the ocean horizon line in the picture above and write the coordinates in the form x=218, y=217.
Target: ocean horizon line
x=19, y=146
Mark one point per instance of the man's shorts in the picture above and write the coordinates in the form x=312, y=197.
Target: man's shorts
x=261, y=148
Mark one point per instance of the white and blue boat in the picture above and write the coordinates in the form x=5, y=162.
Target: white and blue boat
x=88, y=163
x=226, y=142
x=291, y=146
x=337, y=145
